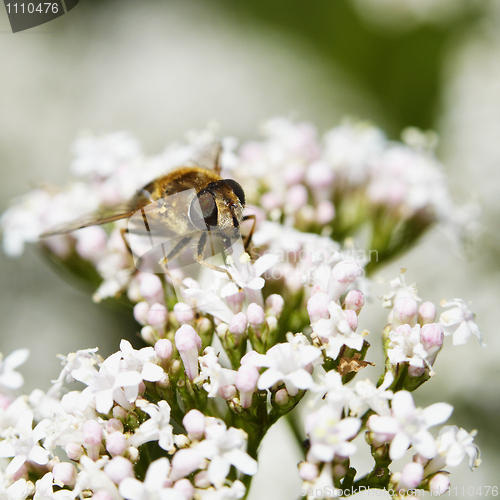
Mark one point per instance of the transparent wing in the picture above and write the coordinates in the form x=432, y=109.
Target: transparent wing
x=95, y=219
x=207, y=157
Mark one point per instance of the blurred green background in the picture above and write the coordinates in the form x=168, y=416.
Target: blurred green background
x=158, y=69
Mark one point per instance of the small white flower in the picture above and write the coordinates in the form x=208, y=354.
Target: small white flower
x=153, y=487
x=142, y=361
x=405, y=346
x=108, y=384
x=459, y=322
x=288, y=362
x=92, y=477
x=453, y=444
x=376, y=398
x=213, y=371
x=407, y=426
x=21, y=443
x=400, y=290
x=156, y=428
x=329, y=435
x=336, y=332
x=18, y=490
x=44, y=490
x=225, y=447
x=9, y=378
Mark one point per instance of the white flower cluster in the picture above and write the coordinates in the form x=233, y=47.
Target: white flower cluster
x=232, y=353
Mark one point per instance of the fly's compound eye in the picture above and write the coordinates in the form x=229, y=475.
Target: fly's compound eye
x=237, y=190
x=203, y=211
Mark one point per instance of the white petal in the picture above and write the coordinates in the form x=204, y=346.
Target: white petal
x=269, y=378
x=132, y=489
x=156, y=473
x=152, y=372
x=403, y=406
x=462, y=334
x=218, y=470
x=383, y=425
x=103, y=401
x=38, y=455
x=301, y=379
x=257, y=283
x=424, y=443
x=16, y=358
x=399, y=445
x=347, y=428
x=242, y=461
x=15, y=464
x=437, y=413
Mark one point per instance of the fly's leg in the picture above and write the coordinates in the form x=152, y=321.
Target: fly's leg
x=179, y=247
x=248, y=239
x=199, y=258
x=124, y=231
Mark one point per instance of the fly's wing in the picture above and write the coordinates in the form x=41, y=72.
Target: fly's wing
x=207, y=157
x=95, y=219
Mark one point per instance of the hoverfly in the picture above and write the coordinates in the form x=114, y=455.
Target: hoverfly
x=190, y=202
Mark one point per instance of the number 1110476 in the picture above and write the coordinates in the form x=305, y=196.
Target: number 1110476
x=31, y=8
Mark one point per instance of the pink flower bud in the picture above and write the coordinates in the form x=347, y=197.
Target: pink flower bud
x=426, y=313
x=343, y=274
x=188, y=343
x=64, y=474
x=325, y=212
x=308, y=471
x=113, y=425
x=411, y=476
x=238, y=324
x=296, y=197
x=274, y=304
x=185, y=487
x=194, y=423
x=439, y=484
x=116, y=444
x=255, y=314
x=227, y=392
x=317, y=307
x=91, y=242
x=164, y=349
x=246, y=382
x=354, y=301
x=151, y=288
x=149, y=335
x=405, y=312
x=201, y=480
x=120, y=413
x=92, y=437
x=157, y=316
x=184, y=462
x=352, y=318
x=431, y=336
x=132, y=454
x=235, y=301
x=282, y=397
x=118, y=468
x=141, y=311
x=74, y=451
x=183, y=313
